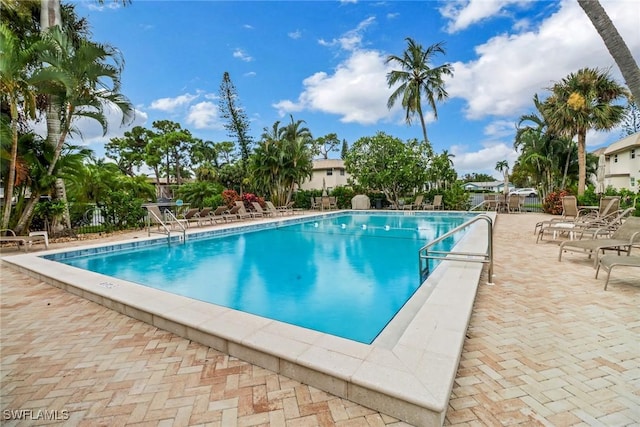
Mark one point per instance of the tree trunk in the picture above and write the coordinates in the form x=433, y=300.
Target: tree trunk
x=615, y=44
x=11, y=179
x=582, y=160
x=566, y=167
x=61, y=194
x=49, y=14
x=25, y=218
x=49, y=17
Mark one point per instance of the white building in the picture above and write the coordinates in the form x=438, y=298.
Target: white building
x=328, y=174
x=623, y=163
x=493, y=186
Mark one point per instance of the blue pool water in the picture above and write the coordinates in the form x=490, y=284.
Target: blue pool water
x=345, y=275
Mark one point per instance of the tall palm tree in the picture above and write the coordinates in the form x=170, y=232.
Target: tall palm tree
x=282, y=159
x=615, y=44
x=542, y=150
x=418, y=78
x=81, y=80
x=503, y=167
x=19, y=93
x=582, y=101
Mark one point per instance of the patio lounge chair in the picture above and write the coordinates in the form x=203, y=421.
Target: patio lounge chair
x=585, y=225
x=626, y=236
x=607, y=262
x=490, y=202
x=221, y=214
x=417, y=203
x=205, y=215
x=333, y=202
x=437, y=203
x=288, y=208
x=608, y=205
x=316, y=203
x=276, y=211
x=241, y=212
x=261, y=211
x=191, y=216
x=570, y=214
x=8, y=235
x=515, y=203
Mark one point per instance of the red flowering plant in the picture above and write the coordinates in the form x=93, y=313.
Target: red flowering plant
x=230, y=197
x=249, y=198
x=553, y=202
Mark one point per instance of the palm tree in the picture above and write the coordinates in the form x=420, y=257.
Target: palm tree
x=77, y=79
x=282, y=159
x=503, y=167
x=541, y=150
x=615, y=44
x=417, y=78
x=19, y=93
x=582, y=101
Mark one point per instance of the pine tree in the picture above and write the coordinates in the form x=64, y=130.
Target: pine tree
x=237, y=122
x=345, y=149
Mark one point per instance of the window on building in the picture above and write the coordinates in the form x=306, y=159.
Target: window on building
x=633, y=154
x=329, y=172
x=632, y=182
x=615, y=158
x=341, y=172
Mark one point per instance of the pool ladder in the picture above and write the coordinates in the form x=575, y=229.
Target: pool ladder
x=164, y=226
x=426, y=253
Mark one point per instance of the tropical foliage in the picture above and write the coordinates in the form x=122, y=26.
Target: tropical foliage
x=582, y=101
x=388, y=164
x=282, y=160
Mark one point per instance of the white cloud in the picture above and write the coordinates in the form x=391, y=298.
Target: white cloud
x=171, y=104
x=357, y=91
x=242, y=55
x=351, y=40
x=483, y=160
x=464, y=13
x=510, y=69
x=204, y=115
x=295, y=34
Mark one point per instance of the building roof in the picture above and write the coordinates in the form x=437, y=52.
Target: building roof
x=328, y=164
x=485, y=183
x=627, y=143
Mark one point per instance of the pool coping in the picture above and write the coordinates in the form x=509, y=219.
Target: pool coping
x=407, y=372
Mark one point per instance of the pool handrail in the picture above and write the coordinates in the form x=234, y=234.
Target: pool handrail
x=486, y=258
x=161, y=223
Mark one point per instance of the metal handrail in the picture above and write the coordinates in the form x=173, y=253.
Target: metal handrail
x=424, y=254
x=173, y=218
x=161, y=223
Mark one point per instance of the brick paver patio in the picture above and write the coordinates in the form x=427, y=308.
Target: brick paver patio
x=546, y=346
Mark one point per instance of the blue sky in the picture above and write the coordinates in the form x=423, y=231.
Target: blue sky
x=324, y=63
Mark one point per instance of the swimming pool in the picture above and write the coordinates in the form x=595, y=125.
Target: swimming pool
x=407, y=372
x=346, y=275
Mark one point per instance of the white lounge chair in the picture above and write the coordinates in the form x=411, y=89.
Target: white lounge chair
x=8, y=235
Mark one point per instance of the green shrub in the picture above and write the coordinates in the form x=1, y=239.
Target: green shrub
x=214, y=201
x=343, y=196
x=456, y=198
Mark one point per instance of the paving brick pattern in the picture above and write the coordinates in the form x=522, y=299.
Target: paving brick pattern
x=546, y=346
